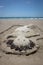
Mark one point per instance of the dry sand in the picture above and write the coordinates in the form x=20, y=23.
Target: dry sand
x=10, y=59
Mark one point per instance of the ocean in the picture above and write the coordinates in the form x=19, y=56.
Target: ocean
x=21, y=17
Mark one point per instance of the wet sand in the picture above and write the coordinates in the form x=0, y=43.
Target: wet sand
x=10, y=59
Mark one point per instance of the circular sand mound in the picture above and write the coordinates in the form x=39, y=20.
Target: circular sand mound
x=21, y=44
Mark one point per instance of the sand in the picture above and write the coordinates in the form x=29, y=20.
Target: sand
x=11, y=59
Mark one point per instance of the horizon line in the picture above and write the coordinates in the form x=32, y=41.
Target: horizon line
x=21, y=17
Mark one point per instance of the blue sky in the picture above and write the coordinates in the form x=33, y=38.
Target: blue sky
x=21, y=8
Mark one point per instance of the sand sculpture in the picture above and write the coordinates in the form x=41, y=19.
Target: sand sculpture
x=19, y=41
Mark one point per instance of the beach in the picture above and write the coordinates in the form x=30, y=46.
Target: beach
x=8, y=26
x=6, y=23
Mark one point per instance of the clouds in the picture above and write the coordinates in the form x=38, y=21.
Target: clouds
x=1, y=6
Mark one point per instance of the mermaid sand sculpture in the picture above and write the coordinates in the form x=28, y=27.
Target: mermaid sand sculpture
x=19, y=42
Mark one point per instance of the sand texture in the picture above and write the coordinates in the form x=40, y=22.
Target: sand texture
x=7, y=26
